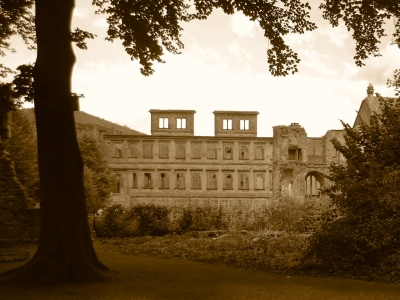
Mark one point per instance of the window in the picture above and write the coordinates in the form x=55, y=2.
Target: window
x=180, y=150
x=132, y=180
x=243, y=181
x=259, y=152
x=117, y=150
x=196, y=180
x=228, y=181
x=180, y=180
x=180, y=123
x=244, y=152
x=244, y=124
x=313, y=184
x=259, y=181
x=228, y=151
x=164, y=151
x=212, y=183
x=163, y=123
x=148, y=184
x=271, y=182
x=163, y=181
x=117, y=186
x=196, y=150
x=133, y=149
x=294, y=154
x=148, y=150
x=212, y=151
x=227, y=124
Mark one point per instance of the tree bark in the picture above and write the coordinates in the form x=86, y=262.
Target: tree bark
x=65, y=252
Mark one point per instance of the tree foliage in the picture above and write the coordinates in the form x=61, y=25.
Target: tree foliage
x=364, y=239
x=146, y=28
x=23, y=152
x=99, y=180
x=365, y=18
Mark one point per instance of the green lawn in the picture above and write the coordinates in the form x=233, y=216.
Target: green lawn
x=156, y=278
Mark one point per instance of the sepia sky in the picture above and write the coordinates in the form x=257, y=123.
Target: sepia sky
x=224, y=67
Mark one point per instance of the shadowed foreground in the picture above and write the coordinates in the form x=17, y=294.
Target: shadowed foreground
x=155, y=278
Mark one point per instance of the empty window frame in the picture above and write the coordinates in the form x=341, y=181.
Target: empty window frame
x=147, y=150
x=243, y=181
x=228, y=181
x=164, y=150
x=294, y=154
x=227, y=124
x=228, y=151
x=181, y=123
x=212, y=151
x=132, y=179
x=212, y=181
x=163, y=181
x=196, y=180
x=244, y=125
x=133, y=149
x=196, y=150
x=180, y=150
x=259, y=152
x=117, y=150
x=147, y=181
x=259, y=181
x=180, y=180
x=271, y=180
x=244, y=152
x=163, y=123
x=117, y=186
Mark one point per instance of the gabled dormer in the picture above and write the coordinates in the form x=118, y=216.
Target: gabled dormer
x=236, y=123
x=172, y=122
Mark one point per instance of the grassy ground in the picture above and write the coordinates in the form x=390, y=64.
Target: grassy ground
x=144, y=277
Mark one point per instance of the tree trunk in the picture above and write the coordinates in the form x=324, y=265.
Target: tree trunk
x=65, y=250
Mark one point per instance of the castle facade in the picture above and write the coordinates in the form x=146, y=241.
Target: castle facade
x=234, y=167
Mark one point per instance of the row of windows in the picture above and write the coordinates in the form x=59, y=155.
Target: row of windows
x=227, y=124
x=196, y=151
x=164, y=123
x=177, y=180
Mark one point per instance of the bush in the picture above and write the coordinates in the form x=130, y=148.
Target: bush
x=285, y=215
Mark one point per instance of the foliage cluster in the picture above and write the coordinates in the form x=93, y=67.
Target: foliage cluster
x=364, y=239
x=98, y=179
x=23, y=152
x=284, y=215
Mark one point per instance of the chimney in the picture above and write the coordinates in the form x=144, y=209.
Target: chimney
x=370, y=92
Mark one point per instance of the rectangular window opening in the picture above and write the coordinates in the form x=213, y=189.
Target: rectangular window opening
x=148, y=184
x=181, y=123
x=196, y=181
x=227, y=152
x=163, y=123
x=228, y=182
x=227, y=124
x=180, y=180
x=243, y=181
x=163, y=183
x=244, y=124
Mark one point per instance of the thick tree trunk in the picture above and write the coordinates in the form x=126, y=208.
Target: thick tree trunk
x=65, y=250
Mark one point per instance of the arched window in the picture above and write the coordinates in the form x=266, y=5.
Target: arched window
x=314, y=184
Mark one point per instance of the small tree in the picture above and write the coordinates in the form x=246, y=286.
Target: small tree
x=99, y=180
x=23, y=152
x=365, y=238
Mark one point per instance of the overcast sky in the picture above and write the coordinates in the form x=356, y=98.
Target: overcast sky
x=224, y=67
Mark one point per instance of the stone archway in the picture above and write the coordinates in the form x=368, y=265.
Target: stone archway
x=314, y=183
